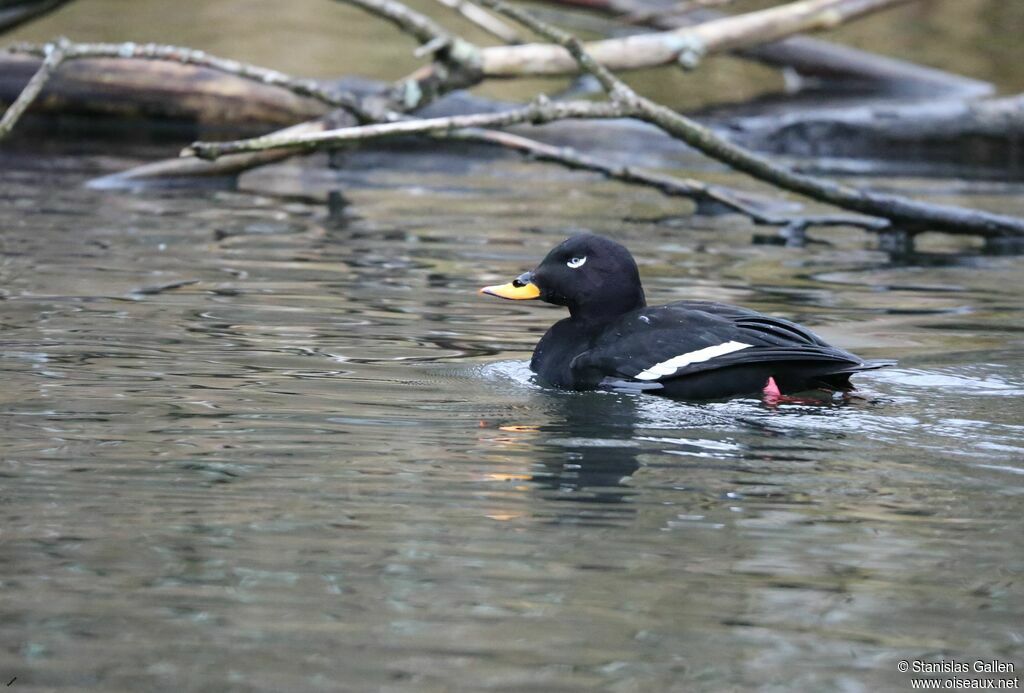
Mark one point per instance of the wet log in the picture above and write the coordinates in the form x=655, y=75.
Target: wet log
x=192, y=96
x=979, y=138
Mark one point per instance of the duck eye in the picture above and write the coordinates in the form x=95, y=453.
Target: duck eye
x=576, y=262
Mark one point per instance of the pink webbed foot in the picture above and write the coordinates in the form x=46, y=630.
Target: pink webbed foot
x=772, y=395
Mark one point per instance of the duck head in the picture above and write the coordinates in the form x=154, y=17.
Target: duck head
x=594, y=277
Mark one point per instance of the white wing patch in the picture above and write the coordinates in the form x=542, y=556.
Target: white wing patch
x=660, y=370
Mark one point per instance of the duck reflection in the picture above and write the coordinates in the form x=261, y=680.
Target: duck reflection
x=586, y=452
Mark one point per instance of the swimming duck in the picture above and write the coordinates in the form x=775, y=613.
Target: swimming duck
x=697, y=350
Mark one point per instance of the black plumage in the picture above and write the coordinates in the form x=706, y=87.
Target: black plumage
x=689, y=349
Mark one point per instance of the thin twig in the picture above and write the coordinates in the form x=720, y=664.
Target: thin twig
x=422, y=28
x=456, y=63
x=54, y=54
x=494, y=26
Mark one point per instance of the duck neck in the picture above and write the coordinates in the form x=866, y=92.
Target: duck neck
x=608, y=309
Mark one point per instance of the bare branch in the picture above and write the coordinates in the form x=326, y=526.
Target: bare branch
x=661, y=48
x=540, y=111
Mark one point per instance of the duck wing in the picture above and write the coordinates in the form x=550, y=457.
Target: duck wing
x=649, y=347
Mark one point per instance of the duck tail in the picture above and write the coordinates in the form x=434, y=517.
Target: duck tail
x=874, y=364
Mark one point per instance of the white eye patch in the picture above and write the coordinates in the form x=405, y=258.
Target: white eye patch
x=576, y=262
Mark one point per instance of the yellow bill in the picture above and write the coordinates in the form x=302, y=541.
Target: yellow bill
x=513, y=291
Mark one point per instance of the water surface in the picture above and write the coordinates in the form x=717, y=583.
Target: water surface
x=322, y=463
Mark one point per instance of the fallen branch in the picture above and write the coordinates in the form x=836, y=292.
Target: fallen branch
x=909, y=215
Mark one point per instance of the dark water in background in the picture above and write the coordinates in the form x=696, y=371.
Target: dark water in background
x=324, y=465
